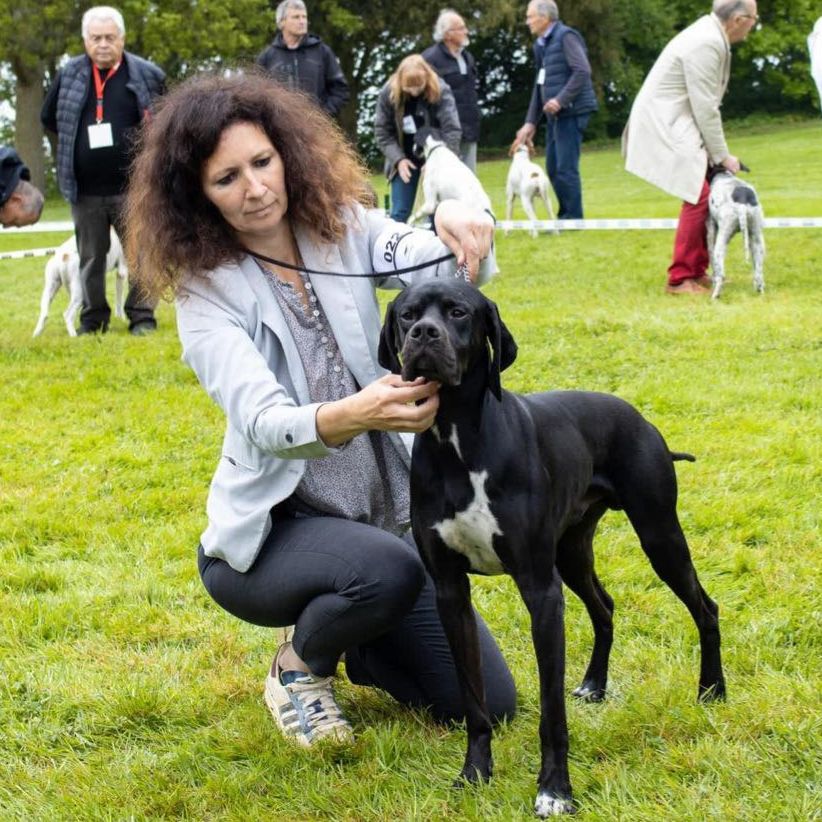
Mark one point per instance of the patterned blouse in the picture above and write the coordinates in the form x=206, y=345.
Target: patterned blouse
x=364, y=480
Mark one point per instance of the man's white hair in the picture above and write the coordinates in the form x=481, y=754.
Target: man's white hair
x=443, y=24
x=546, y=8
x=283, y=8
x=100, y=14
x=725, y=9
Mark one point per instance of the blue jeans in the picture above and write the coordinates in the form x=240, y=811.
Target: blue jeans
x=563, y=141
x=402, y=196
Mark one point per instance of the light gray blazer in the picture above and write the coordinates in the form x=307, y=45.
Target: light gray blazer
x=675, y=127
x=236, y=340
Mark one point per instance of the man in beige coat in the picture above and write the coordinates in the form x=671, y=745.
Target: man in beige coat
x=675, y=130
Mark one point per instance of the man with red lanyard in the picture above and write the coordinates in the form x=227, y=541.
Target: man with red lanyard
x=95, y=105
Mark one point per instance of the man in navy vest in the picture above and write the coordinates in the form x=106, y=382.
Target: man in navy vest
x=564, y=93
x=450, y=58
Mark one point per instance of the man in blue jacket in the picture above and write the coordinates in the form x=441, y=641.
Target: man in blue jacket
x=302, y=61
x=96, y=106
x=564, y=93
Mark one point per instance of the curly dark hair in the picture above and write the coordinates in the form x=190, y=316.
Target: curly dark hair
x=173, y=231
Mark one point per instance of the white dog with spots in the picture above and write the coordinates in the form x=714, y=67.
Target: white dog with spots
x=527, y=181
x=446, y=177
x=734, y=207
x=63, y=269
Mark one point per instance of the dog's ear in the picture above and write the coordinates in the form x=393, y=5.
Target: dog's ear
x=390, y=343
x=503, y=347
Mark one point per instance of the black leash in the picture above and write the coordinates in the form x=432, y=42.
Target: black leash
x=462, y=271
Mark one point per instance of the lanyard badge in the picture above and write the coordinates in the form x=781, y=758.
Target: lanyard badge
x=100, y=135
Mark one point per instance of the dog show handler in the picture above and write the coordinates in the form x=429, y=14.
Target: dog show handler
x=413, y=98
x=308, y=509
x=674, y=132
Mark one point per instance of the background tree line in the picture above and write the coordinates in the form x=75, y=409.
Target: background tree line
x=624, y=37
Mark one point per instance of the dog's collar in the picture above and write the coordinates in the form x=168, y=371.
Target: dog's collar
x=438, y=145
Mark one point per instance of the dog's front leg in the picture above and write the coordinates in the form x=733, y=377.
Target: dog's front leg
x=542, y=591
x=457, y=617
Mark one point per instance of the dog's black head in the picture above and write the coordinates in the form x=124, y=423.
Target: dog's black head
x=440, y=329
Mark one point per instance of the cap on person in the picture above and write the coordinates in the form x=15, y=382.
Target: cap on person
x=12, y=170
x=20, y=202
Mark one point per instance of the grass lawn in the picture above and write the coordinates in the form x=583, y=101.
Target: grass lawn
x=126, y=693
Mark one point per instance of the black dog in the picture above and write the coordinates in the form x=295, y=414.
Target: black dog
x=504, y=483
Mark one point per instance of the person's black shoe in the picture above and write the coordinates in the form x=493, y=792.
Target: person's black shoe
x=143, y=328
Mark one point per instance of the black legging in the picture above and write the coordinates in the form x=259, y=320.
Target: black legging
x=349, y=587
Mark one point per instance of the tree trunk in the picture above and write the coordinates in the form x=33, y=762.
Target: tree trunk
x=28, y=139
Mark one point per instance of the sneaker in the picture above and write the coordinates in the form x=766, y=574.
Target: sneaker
x=304, y=708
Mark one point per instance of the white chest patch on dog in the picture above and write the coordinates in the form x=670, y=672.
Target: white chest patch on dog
x=471, y=531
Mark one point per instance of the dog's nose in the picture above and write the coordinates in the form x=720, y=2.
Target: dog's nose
x=424, y=330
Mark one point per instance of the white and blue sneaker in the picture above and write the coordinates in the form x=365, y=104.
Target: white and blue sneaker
x=304, y=708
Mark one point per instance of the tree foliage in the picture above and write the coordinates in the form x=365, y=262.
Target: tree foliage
x=770, y=70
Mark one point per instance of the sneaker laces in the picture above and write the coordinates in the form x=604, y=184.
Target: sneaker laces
x=314, y=700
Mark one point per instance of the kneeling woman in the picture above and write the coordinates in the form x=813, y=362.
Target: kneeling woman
x=243, y=194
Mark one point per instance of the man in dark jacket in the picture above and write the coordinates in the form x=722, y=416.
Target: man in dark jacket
x=564, y=93
x=95, y=106
x=450, y=59
x=20, y=202
x=302, y=61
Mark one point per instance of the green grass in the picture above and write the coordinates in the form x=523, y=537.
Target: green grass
x=125, y=692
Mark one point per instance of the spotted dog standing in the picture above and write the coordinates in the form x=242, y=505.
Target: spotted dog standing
x=508, y=483
x=734, y=206
x=527, y=181
x=63, y=269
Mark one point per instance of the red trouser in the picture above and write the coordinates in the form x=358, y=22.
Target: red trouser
x=691, y=241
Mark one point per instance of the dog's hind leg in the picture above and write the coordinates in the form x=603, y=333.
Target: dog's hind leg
x=575, y=563
x=510, y=196
x=758, y=254
x=120, y=283
x=549, y=206
x=720, y=247
x=528, y=205
x=75, y=303
x=50, y=289
x=648, y=495
x=541, y=589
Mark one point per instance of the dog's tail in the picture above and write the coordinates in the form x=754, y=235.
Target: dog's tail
x=682, y=455
x=742, y=216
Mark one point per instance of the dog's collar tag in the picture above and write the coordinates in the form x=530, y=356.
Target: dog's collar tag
x=462, y=273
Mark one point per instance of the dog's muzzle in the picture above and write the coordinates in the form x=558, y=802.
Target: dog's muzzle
x=427, y=352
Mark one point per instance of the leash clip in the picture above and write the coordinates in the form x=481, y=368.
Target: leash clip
x=462, y=273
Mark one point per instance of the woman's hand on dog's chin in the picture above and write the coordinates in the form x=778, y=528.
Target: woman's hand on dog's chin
x=387, y=404
x=466, y=232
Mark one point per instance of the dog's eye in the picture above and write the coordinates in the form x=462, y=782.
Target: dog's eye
x=407, y=315
x=457, y=313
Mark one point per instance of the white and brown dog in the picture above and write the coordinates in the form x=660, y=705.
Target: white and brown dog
x=445, y=177
x=63, y=268
x=734, y=206
x=527, y=181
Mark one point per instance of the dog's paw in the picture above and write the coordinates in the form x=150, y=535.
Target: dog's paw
x=589, y=693
x=549, y=804
x=473, y=775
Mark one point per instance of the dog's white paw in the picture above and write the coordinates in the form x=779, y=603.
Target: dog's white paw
x=549, y=805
